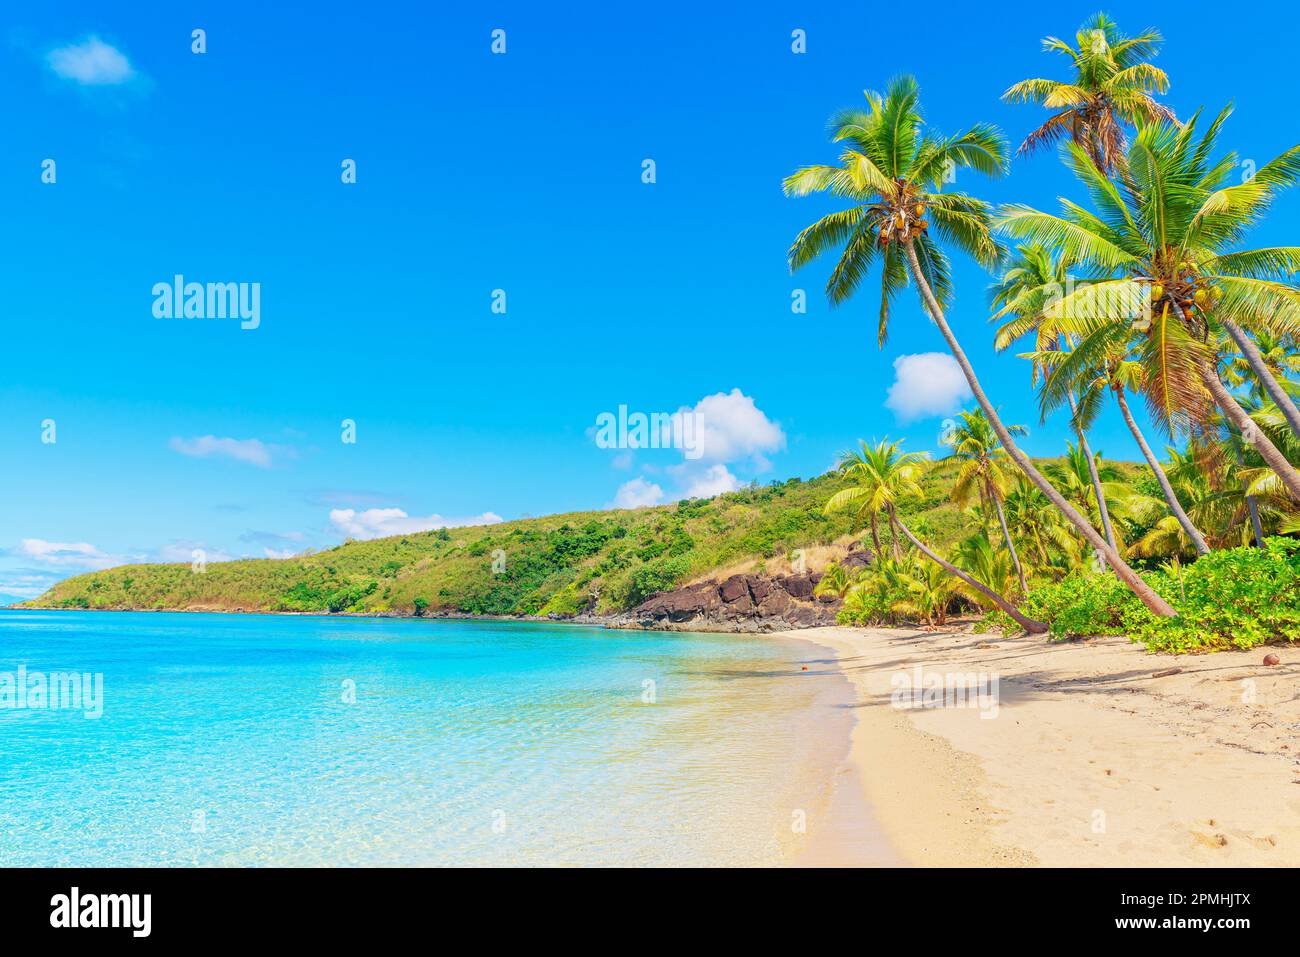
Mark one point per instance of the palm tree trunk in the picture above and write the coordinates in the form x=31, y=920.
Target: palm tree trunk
x=1170, y=498
x=1255, y=524
x=1251, y=432
x=1144, y=592
x=893, y=539
x=1006, y=533
x=1265, y=375
x=875, y=538
x=1086, y=449
x=1030, y=625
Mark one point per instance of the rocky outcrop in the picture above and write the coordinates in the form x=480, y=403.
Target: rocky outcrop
x=748, y=602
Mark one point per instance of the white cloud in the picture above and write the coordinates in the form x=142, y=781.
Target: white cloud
x=926, y=384
x=715, y=480
x=251, y=451
x=67, y=554
x=279, y=553
x=729, y=426
x=637, y=493
x=91, y=63
x=380, y=522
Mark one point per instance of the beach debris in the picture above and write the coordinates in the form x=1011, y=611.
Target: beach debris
x=804, y=668
x=1167, y=672
x=1271, y=659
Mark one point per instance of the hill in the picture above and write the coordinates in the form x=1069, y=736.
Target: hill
x=600, y=561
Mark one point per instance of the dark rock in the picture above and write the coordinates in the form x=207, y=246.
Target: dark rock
x=797, y=586
x=734, y=587
x=857, y=559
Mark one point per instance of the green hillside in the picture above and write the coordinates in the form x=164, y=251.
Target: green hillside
x=604, y=561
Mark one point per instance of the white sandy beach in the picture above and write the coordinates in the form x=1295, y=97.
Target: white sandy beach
x=1088, y=759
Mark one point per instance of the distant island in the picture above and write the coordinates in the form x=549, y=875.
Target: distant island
x=598, y=563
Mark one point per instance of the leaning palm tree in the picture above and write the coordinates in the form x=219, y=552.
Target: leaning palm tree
x=1073, y=476
x=1164, y=238
x=981, y=473
x=882, y=475
x=891, y=170
x=1280, y=355
x=1111, y=86
x=1100, y=364
x=1035, y=279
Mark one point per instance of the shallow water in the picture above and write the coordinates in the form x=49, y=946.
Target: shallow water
x=235, y=740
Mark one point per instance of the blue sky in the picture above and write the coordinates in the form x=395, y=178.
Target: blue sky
x=476, y=172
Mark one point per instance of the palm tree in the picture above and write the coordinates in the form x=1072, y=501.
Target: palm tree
x=981, y=474
x=1033, y=280
x=1100, y=363
x=1163, y=240
x=987, y=565
x=891, y=170
x=1073, y=476
x=1279, y=354
x=1111, y=86
x=837, y=580
x=930, y=591
x=1039, y=523
x=883, y=475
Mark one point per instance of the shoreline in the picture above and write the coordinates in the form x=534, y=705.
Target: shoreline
x=1087, y=759
x=620, y=620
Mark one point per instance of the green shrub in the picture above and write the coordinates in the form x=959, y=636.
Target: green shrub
x=656, y=576
x=1233, y=598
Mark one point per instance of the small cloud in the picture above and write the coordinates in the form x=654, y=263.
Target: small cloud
x=638, y=493
x=926, y=384
x=729, y=426
x=715, y=480
x=249, y=451
x=282, y=553
x=81, y=555
x=381, y=522
x=91, y=63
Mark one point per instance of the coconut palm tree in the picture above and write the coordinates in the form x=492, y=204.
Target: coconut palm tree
x=837, y=580
x=1033, y=280
x=1040, y=524
x=1111, y=86
x=891, y=170
x=1164, y=241
x=1100, y=363
x=882, y=475
x=981, y=473
x=1280, y=356
x=1073, y=476
x=929, y=593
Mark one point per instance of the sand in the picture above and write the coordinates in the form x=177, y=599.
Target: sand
x=1078, y=756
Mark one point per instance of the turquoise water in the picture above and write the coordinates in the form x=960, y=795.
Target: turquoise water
x=260, y=740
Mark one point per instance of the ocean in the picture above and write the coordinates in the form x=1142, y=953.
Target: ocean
x=255, y=740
